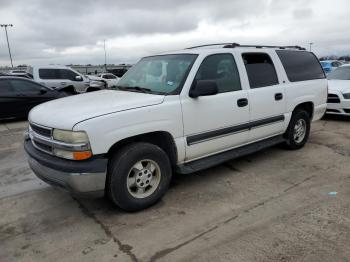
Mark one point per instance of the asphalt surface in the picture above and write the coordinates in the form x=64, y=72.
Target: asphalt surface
x=274, y=205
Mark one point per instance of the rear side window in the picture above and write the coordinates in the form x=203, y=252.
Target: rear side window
x=260, y=69
x=5, y=86
x=23, y=86
x=49, y=74
x=300, y=65
x=222, y=69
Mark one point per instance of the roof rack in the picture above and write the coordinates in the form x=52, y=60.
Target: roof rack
x=198, y=46
x=234, y=45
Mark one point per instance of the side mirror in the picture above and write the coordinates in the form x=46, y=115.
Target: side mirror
x=203, y=88
x=43, y=91
x=78, y=78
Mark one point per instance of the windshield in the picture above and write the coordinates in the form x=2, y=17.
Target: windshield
x=324, y=64
x=164, y=74
x=341, y=73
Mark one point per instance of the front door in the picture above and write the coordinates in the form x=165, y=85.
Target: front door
x=217, y=122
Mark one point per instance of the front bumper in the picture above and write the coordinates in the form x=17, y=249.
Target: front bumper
x=83, y=178
x=339, y=107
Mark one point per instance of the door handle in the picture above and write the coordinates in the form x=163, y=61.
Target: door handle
x=242, y=102
x=63, y=83
x=278, y=96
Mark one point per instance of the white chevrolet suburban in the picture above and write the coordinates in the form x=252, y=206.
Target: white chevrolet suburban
x=179, y=112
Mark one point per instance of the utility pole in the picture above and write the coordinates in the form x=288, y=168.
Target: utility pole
x=311, y=46
x=7, y=38
x=104, y=47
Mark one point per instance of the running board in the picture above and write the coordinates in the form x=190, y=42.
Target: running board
x=214, y=160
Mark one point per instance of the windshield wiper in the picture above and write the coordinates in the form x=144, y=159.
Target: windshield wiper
x=137, y=88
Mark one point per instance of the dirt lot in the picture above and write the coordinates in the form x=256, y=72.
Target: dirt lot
x=275, y=205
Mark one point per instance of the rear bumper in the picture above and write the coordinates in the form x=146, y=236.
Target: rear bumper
x=83, y=178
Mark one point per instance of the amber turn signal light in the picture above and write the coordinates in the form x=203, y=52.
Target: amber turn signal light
x=82, y=155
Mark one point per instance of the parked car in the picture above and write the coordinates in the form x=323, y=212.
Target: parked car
x=329, y=65
x=96, y=83
x=210, y=105
x=18, y=96
x=58, y=77
x=339, y=91
x=112, y=80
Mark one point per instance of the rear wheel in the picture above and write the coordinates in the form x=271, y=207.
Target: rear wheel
x=138, y=176
x=298, y=130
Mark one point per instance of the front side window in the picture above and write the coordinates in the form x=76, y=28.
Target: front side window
x=260, y=70
x=164, y=74
x=68, y=74
x=222, y=69
x=341, y=73
x=301, y=65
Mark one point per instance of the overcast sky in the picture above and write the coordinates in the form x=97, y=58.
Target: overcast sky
x=64, y=32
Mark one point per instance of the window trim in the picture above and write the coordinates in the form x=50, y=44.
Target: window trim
x=274, y=66
x=319, y=62
x=239, y=76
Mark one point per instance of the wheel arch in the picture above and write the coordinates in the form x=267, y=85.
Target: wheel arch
x=162, y=139
x=307, y=106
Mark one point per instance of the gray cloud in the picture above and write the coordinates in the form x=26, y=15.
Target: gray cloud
x=66, y=31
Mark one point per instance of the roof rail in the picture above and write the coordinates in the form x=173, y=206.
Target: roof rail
x=233, y=45
x=198, y=46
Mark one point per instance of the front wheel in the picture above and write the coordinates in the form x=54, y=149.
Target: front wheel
x=298, y=130
x=138, y=176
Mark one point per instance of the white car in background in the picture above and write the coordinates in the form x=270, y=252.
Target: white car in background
x=339, y=91
x=112, y=80
x=97, y=83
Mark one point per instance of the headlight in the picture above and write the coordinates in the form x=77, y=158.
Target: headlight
x=75, y=145
x=346, y=96
x=70, y=136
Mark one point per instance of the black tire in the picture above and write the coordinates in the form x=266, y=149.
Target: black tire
x=121, y=164
x=291, y=142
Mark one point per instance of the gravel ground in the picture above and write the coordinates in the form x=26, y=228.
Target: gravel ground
x=274, y=205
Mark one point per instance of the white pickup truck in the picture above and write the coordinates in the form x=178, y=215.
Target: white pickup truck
x=63, y=77
x=178, y=112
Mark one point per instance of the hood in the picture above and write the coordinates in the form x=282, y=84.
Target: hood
x=342, y=86
x=64, y=113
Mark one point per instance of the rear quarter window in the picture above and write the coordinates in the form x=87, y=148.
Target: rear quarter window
x=300, y=65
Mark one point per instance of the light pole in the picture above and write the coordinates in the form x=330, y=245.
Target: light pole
x=310, y=45
x=104, y=47
x=7, y=38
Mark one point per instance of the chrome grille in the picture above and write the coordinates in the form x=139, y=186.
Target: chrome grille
x=43, y=131
x=42, y=146
x=332, y=98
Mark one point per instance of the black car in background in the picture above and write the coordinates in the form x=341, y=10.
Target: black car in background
x=19, y=95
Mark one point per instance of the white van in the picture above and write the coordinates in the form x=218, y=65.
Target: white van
x=58, y=77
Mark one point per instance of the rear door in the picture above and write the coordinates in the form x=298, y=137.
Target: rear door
x=29, y=93
x=266, y=95
x=50, y=77
x=10, y=103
